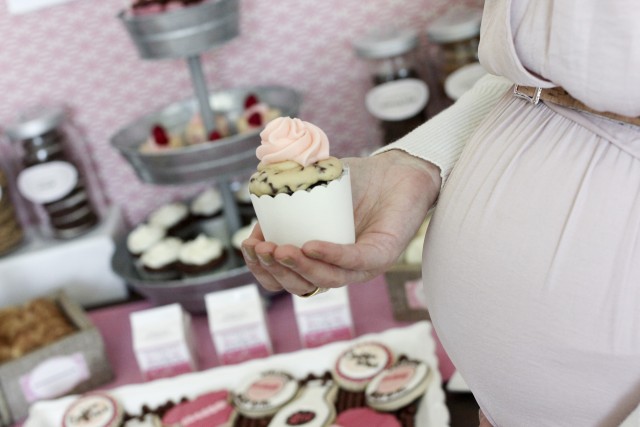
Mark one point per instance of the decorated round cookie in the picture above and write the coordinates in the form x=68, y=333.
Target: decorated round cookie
x=208, y=410
x=93, y=410
x=358, y=417
x=265, y=394
x=313, y=408
x=359, y=364
x=398, y=385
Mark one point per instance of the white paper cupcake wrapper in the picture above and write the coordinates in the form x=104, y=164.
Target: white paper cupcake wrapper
x=323, y=213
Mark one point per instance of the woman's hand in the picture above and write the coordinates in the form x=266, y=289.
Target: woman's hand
x=392, y=193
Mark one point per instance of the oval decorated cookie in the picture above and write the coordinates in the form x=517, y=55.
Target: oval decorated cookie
x=208, y=410
x=265, y=394
x=93, y=410
x=398, y=385
x=359, y=364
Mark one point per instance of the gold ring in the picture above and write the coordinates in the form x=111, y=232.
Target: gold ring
x=316, y=291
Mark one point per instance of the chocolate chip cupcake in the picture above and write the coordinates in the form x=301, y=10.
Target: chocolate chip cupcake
x=298, y=183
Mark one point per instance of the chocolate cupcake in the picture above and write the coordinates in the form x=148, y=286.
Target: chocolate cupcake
x=201, y=255
x=206, y=205
x=143, y=237
x=160, y=262
x=171, y=217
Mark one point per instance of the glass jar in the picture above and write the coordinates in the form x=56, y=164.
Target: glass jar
x=456, y=35
x=399, y=95
x=11, y=233
x=49, y=178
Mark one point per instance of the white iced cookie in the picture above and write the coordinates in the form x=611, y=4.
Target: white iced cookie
x=144, y=237
x=358, y=365
x=207, y=204
x=265, y=394
x=93, y=410
x=169, y=215
x=398, y=385
x=163, y=253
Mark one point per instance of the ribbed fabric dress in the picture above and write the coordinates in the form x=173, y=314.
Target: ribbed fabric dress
x=532, y=258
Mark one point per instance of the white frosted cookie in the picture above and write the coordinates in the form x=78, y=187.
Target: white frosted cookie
x=93, y=410
x=398, y=385
x=359, y=364
x=265, y=394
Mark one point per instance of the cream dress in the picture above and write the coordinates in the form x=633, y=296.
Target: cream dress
x=532, y=259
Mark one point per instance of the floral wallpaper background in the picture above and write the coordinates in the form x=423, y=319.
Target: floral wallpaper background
x=78, y=55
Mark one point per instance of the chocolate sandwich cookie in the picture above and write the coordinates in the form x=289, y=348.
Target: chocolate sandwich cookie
x=289, y=176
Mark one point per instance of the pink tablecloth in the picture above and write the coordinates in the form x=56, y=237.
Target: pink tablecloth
x=370, y=305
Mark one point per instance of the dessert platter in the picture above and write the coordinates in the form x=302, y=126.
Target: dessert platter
x=182, y=251
x=211, y=137
x=384, y=379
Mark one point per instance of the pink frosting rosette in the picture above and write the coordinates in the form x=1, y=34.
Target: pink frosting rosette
x=285, y=139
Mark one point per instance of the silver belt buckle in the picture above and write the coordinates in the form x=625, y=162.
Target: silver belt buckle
x=532, y=99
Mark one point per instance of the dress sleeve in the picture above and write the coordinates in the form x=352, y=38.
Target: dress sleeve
x=441, y=139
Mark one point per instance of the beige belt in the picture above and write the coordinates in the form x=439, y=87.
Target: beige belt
x=559, y=96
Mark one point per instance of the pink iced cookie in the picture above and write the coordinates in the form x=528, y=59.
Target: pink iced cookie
x=398, y=386
x=209, y=410
x=358, y=417
x=264, y=394
x=358, y=365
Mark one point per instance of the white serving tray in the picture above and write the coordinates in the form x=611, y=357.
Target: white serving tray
x=414, y=341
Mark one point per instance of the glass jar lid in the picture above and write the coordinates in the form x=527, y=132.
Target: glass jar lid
x=455, y=25
x=35, y=122
x=386, y=43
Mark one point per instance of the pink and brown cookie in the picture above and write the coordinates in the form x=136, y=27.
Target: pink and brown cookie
x=208, y=410
x=358, y=417
x=265, y=394
x=398, y=386
x=314, y=407
x=93, y=410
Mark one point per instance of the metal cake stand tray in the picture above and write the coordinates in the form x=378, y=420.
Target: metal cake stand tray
x=183, y=32
x=209, y=160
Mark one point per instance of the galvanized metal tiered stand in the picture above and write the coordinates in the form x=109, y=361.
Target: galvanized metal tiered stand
x=185, y=34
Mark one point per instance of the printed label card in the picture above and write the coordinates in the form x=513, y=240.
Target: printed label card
x=324, y=318
x=163, y=341
x=238, y=325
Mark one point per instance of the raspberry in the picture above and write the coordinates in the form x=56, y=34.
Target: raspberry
x=214, y=135
x=160, y=135
x=250, y=101
x=255, y=120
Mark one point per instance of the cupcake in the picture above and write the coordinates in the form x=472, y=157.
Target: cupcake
x=241, y=235
x=143, y=237
x=171, y=217
x=299, y=191
x=160, y=262
x=206, y=205
x=201, y=255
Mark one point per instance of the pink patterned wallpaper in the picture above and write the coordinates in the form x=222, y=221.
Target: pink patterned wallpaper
x=77, y=54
